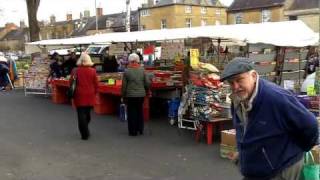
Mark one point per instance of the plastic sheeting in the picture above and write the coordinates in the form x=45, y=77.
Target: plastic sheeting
x=286, y=33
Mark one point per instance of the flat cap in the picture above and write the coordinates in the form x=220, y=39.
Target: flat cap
x=236, y=66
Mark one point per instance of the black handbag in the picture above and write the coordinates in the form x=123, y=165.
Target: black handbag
x=73, y=85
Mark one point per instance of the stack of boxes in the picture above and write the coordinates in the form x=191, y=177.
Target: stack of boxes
x=228, y=144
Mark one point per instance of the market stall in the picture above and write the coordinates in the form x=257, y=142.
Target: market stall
x=197, y=109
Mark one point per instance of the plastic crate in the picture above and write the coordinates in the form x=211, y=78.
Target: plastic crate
x=173, y=106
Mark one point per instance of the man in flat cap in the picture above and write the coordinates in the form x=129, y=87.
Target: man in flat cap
x=273, y=128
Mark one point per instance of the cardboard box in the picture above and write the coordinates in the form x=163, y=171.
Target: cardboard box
x=228, y=137
x=226, y=151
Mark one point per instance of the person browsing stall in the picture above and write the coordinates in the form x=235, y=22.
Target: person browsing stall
x=55, y=67
x=70, y=63
x=273, y=129
x=135, y=84
x=85, y=92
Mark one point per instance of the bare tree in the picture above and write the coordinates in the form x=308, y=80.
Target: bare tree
x=32, y=7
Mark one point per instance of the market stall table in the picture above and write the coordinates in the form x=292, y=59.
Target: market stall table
x=210, y=126
x=108, y=97
x=59, y=91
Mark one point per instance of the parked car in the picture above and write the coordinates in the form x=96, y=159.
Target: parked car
x=12, y=56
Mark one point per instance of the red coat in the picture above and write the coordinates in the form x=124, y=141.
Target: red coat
x=87, y=85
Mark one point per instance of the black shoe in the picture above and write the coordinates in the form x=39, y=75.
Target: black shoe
x=140, y=132
x=85, y=138
x=132, y=134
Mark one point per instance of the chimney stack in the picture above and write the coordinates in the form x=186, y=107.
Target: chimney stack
x=99, y=11
x=86, y=13
x=22, y=24
x=69, y=16
x=52, y=19
x=150, y=3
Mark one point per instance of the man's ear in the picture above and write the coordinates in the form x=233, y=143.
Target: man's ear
x=254, y=74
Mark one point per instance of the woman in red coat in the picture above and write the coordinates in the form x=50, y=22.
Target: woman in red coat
x=85, y=93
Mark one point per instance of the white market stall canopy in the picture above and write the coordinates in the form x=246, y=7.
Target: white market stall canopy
x=286, y=33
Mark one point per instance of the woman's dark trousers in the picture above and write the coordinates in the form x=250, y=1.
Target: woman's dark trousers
x=84, y=120
x=135, y=115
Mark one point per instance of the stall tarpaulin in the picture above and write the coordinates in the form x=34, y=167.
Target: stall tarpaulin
x=285, y=33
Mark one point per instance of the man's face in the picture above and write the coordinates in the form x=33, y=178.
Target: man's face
x=242, y=85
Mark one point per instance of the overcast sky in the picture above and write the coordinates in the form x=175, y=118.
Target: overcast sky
x=16, y=10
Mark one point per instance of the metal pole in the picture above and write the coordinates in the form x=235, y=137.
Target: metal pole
x=95, y=6
x=128, y=16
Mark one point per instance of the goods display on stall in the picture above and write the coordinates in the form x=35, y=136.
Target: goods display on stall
x=111, y=78
x=165, y=78
x=292, y=67
x=36, y=77
x=203, y=100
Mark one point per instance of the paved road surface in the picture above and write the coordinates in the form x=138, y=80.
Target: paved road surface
x=39, y=140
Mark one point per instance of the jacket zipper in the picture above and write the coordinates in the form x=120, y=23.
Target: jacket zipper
x=267, y=158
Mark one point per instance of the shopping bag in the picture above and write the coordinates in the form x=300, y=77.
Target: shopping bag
x=123, y=112
x=72, y=89
x=310, y=170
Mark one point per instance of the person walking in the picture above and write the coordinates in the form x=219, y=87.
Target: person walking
x=4, y=70
x=273, y=129
x=135, y=84
x=85, y=93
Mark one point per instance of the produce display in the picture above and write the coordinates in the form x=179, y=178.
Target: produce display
x=111, y=78
x=165, y=78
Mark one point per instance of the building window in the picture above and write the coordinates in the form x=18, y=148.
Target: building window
x=293, y=18
x=203, y=22
x=238, y=18
x=218, y=12
x=108, y=23
x=203, y=10
x=265, y=16
x=144, y=12
x=188, y=22
x=188, y=9
x=163, y=23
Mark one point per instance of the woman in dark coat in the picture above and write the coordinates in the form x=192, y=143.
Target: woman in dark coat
x=4, y=69
x=85, y=93
x=134, y=87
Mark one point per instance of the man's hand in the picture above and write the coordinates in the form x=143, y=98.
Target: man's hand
x=234, y=157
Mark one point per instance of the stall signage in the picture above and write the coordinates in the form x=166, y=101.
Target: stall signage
x=194, y=57
x=117, y=49
x=169, y=50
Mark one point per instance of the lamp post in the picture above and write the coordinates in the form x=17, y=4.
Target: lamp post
x=95, y=6
x=128, y=16
x=319, y=27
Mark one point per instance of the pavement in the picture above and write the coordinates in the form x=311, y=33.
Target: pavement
x=39, y=140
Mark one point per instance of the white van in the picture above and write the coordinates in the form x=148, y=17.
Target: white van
x=97, y=49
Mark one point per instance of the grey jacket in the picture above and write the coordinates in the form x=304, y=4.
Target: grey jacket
x=134, y=83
